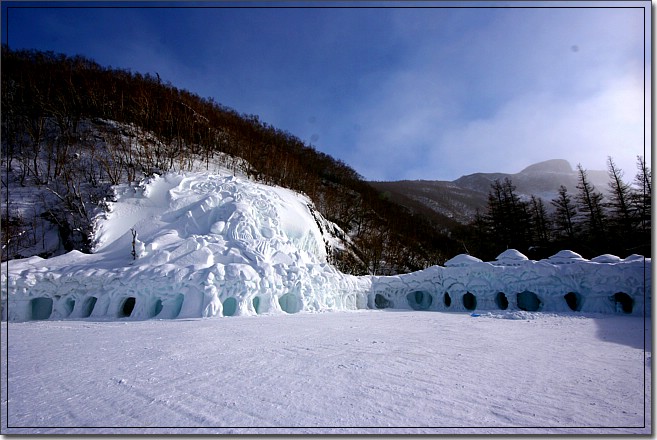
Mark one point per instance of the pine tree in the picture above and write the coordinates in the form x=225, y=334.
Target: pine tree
x=564, y=215
x=539, y=221
x=642, y=203
x=642, y=198
x=508, y=217
x=590, y=206
x=622, y=219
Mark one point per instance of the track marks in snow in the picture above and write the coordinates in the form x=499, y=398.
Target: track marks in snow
x=363, y=369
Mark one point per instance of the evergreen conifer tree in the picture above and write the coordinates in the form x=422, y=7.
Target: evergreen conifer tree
x=564, y=215
x=622, y=219
x=589, y=204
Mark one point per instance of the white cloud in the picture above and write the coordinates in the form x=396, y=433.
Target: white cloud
x=541, y=126
x=522, y=87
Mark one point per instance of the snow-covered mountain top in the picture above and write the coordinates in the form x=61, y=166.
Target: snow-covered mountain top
x=543, y=179
x=549, y=166
x=459, y=199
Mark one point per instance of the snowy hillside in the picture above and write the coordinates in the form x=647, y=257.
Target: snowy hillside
x=215, y=244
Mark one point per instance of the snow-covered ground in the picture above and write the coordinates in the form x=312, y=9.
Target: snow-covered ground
x=368, y=371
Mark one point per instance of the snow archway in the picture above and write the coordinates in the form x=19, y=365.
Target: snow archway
x=528, y=301
x=87, y=307
x=447, y=300
x=574, y=301
x=230, y=306
x=381, y=302
x=623, y=302
x=289, y=303
x=127, y=307
x=171, y=307
x=469, y=301
x=501, y=301
x=62, y=307
x=256, y=304
x=41, y=308
x=419, y=300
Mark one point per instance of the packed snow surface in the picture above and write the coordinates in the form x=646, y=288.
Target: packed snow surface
x=214, y=244
x=367, y=371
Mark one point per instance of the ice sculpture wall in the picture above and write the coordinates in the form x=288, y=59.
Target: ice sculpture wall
x=214, y=244
x=562, y=283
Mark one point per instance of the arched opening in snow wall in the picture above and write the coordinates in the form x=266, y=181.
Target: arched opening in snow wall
x=528, y=301
x=623, y=302
x=289, y=303
x=447, y=300
x=501, y=301
x=380, y=302
x=260, y=305
x=127, y=307
x=41, y=308
x=157, y=308
x=230, y=306
x=168, y=308
x=419, y=300
x=88, y=307
x=574, y=301
x=67, y=307
x=469, y=301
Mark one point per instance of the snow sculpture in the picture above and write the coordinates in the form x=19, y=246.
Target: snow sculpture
x=565, y=282
x=209, y=245
x=606, y=258
x=565, y=257
x=212, y=245
x=462, y=260
x=510, y=257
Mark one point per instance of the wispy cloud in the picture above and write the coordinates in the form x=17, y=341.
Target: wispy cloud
x=524, y=86
x=537, y=127
x=396, y=93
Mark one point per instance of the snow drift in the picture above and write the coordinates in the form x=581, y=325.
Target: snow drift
x=214, y=244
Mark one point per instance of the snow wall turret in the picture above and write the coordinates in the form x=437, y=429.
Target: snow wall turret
x=211, y=245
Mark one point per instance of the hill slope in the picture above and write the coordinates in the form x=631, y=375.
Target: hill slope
x=72, y=128
x=458, y=200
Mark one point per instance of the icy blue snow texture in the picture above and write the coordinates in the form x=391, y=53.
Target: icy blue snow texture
x=581, y=286
x=551, y=285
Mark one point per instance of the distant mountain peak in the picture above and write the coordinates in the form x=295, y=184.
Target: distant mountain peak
x=549, y=166
x=460, y=199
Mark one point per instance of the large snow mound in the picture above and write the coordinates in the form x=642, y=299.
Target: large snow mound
x=215, y=244
x=205, y=245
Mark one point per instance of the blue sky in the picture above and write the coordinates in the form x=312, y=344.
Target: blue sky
x=431, y=92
